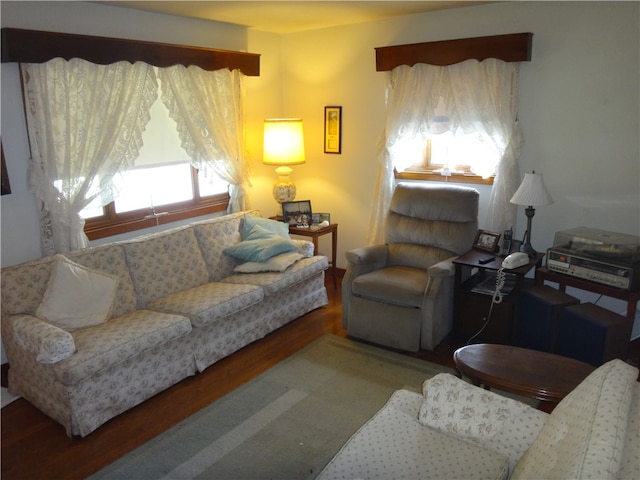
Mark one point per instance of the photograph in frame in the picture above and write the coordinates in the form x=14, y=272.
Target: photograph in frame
x=486, y=241
x=297, y=214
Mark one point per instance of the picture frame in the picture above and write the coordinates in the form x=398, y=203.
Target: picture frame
x=333, y=129
x=297, y=214
x=321, y=217
x=486, y=241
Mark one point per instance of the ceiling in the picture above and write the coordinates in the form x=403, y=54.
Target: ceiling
x=291, y=16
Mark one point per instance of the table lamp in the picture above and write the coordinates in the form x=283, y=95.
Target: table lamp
x=532, y=193
x=283, y=146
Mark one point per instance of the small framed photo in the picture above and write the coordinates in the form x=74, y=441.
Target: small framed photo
x=486, y=241
x=321, y=217
x=297, y=214
x=332, y=129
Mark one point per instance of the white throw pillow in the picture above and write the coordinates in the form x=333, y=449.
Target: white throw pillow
x=77, y=296
x=453, y=406
x=279, y=263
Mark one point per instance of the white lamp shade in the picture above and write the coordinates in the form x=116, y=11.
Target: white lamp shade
x=283, y=141
x=532, y=192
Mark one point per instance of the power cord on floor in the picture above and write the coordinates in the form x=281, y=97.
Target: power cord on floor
x=496, y=298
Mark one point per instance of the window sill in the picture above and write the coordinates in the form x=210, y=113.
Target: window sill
x=101, y=228
x=437, y=177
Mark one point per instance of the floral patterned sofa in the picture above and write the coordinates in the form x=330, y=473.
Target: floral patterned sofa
x=459, y=431
x=148, y=312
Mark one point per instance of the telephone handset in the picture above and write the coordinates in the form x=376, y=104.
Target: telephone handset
x=515, y=260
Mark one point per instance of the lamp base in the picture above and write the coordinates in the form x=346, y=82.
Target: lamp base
x=284, y=190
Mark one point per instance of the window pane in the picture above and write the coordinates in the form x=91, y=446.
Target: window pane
x=211, y=185
x=152, y=187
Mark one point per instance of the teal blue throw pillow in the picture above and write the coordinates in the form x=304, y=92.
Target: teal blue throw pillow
x=279, y=228
x=260, y=245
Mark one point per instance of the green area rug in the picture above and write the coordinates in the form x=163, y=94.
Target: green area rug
x=286, y=423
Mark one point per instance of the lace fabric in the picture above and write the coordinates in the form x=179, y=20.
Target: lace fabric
x=200, y=101
x=479, y=98
x=85, y=122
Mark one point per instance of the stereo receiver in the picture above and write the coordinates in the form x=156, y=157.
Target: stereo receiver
x=599, y=256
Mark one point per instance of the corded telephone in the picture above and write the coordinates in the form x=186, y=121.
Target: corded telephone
x=515, y=260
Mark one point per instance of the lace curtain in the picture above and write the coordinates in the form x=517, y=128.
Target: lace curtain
x=202, y=102
x=480, y=99
x=85, y=122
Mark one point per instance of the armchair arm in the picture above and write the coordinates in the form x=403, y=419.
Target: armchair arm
x=360, y=261
x=437, y=305
x=443, y=269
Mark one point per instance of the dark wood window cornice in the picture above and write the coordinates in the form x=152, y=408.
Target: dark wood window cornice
x=33, y=46
x=515, y=47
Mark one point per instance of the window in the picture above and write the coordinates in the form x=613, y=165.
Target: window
x=159, y=188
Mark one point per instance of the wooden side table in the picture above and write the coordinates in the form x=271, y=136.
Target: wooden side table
x=470, y=309
x=531, y=373
x=314, y=235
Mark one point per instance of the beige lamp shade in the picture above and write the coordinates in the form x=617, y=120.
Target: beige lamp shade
x=283, y=146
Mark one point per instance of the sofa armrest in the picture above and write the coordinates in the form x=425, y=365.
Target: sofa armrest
x=48, y=343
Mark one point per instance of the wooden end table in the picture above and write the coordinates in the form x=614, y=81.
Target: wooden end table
x=314, y=234
x=531, y=373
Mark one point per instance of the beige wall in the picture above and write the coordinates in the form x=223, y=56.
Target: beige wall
x=579, y=110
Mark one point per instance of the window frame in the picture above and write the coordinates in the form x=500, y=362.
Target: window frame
x=112, y=223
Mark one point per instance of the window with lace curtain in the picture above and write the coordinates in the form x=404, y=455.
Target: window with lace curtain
x=161, y=186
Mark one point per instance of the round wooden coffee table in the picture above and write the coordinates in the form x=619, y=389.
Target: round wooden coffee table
x=540, y=375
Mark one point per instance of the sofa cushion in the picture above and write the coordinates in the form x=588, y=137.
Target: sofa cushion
x=165, y=263
x=77, y=296
x=404, y=286
x=117, y=340
x=47, y=342
x=207, y=303
x=249, y=221
x=584, y=435
x=485, y=418
x=393, y=444
x=260, y=245
x=273, y=282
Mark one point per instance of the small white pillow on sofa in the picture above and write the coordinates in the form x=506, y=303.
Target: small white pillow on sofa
x=279, y=263
x=453, y=406
x=77, y=296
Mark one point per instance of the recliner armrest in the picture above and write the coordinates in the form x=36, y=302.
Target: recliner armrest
x=443, y=269
x=371, y=254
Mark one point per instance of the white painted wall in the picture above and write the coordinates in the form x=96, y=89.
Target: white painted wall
x=579, y=110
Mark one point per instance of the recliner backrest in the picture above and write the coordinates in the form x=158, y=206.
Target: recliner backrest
x=428, y=223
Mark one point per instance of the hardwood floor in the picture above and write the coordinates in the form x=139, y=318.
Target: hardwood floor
x=34, y=446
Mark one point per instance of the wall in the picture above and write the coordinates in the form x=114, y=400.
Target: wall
x=579, y=111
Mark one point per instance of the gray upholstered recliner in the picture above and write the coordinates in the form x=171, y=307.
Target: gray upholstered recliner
x=400, y=294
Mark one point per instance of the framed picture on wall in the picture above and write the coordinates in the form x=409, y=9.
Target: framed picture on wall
x=332, y=129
